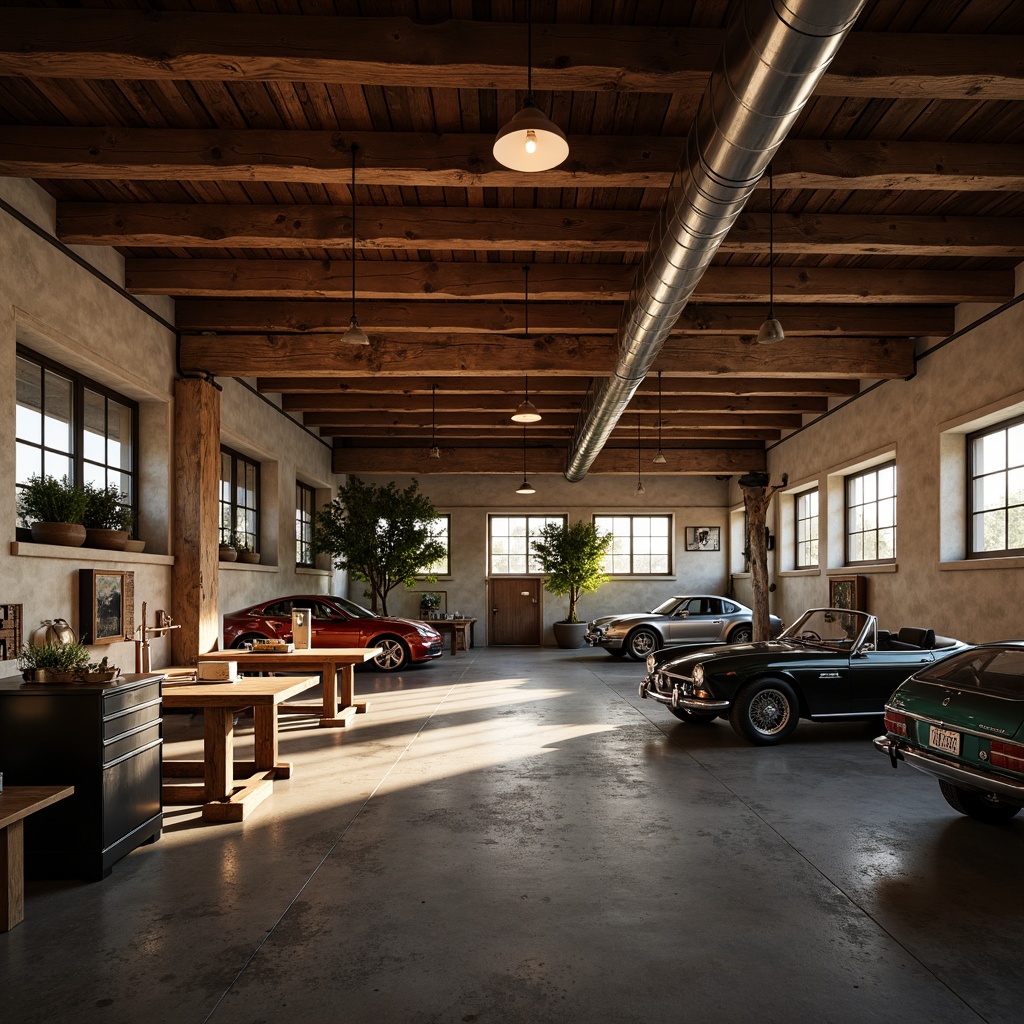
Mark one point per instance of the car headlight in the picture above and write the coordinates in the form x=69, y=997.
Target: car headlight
x=697, y=675
x=650, y=662
x=425, y=631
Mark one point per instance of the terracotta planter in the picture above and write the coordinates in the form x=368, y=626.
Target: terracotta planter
x=228, y=553
x=135, y=545
x=570, y=634
x=109, y=540
x=71, y=535
x=250, y=557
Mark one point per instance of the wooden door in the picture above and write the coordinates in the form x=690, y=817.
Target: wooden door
x=515, y=612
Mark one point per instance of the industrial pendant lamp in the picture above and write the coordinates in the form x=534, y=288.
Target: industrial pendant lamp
x=355, y=335
x=435, y=452
x=771, y=330
x=639, y=482
x=659, y=459
x=526, y=412
x=524, y=487
x=530, y=141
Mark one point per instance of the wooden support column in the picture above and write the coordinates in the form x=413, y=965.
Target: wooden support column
x=194, y=580
x=757, y=496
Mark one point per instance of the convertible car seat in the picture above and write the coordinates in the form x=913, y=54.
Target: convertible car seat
x=911, y=638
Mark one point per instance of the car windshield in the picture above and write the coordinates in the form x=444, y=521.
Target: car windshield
x=995, y=670
x=357, y=611
x=667, y=607
x=836, y=628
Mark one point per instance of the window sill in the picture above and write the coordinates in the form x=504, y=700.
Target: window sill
x=800, y=572
x=250, y=566
x=1010, y=562
x=25, y=549
x=862, y=570
x=309, y=570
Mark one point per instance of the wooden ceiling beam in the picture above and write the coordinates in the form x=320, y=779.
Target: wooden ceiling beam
x=421, y=159
x=151, y=45
x=552, y=433
x=703, y=422
x=673, y=383
x=695, y=461
x=505, y=319
x=311, y=279
x=223, y=226
x=254, y=355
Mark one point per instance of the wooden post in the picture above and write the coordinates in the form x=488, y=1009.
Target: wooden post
x=194, y=580
x=757, y=496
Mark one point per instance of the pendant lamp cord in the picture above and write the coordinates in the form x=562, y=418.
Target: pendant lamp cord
x=353, y=193
x=771, y=244
x=526, y=324
x=433, y=415
x=524, y=452
x=659, y=410
x=529, y=49
x=638, y=449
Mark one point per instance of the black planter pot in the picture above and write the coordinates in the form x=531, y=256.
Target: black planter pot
x=570, y=634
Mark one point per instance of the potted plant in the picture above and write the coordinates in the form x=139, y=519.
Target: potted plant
x=244, y=550
x=108, y=517
x=53, y=662
x=227, y=549
x=429, y=603
x=54, y=510
x=571, y=557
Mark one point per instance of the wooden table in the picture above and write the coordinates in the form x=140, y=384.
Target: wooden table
x=329, y=662
x=222, y=799
x=458, y=629
x=16, y=804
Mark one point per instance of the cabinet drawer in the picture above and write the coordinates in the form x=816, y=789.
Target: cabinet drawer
x=128, y=721
x=131, y=696
x=136, y=740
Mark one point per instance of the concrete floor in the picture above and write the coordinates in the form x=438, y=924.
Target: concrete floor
x=513, y=836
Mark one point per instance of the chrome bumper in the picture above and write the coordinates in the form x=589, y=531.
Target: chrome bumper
x=940, y=768
x=600, y=640
x=649, y=690
x=676, y=700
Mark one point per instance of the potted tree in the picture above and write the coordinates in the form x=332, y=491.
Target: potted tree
x=244, y=551
x=571, y=557
x=108, y=517
x=54, y=510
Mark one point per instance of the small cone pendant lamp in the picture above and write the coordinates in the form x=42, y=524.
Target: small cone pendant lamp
x=526, y=412
x=524, y=487
x=771, y=330
x=355, y=335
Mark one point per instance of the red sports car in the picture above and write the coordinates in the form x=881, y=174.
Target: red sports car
x=337, y=622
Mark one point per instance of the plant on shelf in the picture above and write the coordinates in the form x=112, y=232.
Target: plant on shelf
x=429, y=603
x=571, y=557
x=228, y=552
x=61, y=658
x=244, y=550
x=53, y=509
x=108, y=517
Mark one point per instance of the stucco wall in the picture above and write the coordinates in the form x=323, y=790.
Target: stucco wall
x=57, y=308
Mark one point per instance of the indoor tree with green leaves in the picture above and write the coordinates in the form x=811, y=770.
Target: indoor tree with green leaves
x=381, y=535
x=571, y=556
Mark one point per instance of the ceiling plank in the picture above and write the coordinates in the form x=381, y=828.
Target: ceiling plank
x=308, y=279
x=705, y=422
x=253, y=355
x=469, y=55
x=559, y=434
x=180, y=225
x=506, y=319
x=422, y=159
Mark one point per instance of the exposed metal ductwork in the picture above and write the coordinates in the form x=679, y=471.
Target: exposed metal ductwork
x=773, y=54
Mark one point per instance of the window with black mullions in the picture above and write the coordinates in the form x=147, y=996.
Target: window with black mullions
x=305, y=504
x=239, y=500
x=871, y=515
x=806, y=516
x=996, y=496
x=69, y=425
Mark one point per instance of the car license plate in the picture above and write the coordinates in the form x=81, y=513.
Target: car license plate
x=944, y=739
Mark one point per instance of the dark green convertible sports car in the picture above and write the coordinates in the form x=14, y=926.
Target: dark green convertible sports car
x=830, y=665
x=962, y=721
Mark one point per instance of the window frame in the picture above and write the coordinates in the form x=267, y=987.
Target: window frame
x=80, y=383
x=797, y=520
x=848, y=481
x=564, y=519
x=670, y=534
x=1002, y=427
x=237, y=458
x=304, y=544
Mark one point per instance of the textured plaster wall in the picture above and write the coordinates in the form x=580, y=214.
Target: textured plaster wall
x=923, y=421
x=692, y=501
x=57, y=308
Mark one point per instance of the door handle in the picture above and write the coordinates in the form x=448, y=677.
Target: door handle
x=494, y=611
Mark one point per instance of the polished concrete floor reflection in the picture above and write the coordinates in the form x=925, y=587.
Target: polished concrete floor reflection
x=513, y=836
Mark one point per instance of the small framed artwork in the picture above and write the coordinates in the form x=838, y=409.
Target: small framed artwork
x=703, y=538
x=106, y=606
x=848, y=592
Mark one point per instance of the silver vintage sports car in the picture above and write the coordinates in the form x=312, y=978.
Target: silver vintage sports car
x=678, y=622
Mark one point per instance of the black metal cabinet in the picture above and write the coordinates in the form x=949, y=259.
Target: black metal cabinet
x=105, y=739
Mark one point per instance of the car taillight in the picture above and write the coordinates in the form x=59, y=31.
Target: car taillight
x=895, y=723
x=1006, y=755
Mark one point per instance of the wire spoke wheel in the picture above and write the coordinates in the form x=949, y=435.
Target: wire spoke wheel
x=765, y=711
x=769, y=712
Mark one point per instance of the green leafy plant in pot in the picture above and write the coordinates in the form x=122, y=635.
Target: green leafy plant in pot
x=54, y=510
x=571, y=557
x=108, y=517
x=53, y=662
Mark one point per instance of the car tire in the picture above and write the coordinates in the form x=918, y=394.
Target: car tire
x=693, y=717
x=981, y=806
x=394, y=655
x=741, y=635
x=241, y=641
x=765, y=712
x=641, y=642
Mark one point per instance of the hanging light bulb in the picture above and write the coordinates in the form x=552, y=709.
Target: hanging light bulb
x=435, y=452
x=639, y=482
x=524, y=487
x=771, y=330
x=530, y=141
x=659, y=457
x=526, y=411
x=355, y=335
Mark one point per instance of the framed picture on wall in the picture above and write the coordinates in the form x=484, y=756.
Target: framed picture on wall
x=848, y=592
x=106, y=605
x=703, y=538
